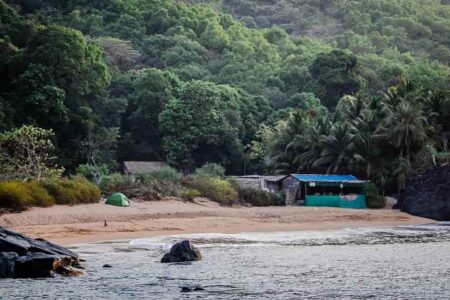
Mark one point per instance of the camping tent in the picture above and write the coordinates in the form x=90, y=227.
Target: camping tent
x=118, y=199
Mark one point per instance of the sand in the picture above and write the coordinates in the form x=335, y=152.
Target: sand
x=68, y=225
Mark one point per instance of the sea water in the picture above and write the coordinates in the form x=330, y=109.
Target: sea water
x=411, y=262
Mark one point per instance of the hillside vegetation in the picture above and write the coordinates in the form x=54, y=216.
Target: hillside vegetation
x=257, y=86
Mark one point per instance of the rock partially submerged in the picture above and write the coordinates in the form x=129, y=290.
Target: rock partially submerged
x=191, y=288
x=182, y=252
x=428, y=195
x=24, y=257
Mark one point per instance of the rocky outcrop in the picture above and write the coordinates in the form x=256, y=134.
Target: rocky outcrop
x=24, y=257
x=428, y=195
x=7, y=264
x=182, y=252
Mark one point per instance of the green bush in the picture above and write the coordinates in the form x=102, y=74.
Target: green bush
x=153, y=190
x=190, y=194
x=210, y=170
x=258, y=197
x=19, y=195
x=115, y=183
x=39, y=195
x=215, y=189
x=163, y=174
x=91, y=172
x=373, y=196
x=72, y=191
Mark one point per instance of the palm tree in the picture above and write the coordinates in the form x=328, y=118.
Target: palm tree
x=307, y=147
x=406, y=129
x=337, y=148
x=403, y=173
x=366, y=156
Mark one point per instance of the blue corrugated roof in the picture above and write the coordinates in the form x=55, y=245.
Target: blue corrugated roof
x=325, y=178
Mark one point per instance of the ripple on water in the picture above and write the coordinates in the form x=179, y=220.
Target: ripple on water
x=411, y=262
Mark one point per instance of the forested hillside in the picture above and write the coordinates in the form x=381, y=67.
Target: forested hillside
x=335, y=86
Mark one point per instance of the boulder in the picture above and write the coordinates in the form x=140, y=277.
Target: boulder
x=7, y=264
x=191, y=288
x=428, y=195
x=182, y=252
x=24, y=257
x=36, y=265
x=11, y=241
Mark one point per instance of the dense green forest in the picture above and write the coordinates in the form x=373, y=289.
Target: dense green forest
x=269, y=86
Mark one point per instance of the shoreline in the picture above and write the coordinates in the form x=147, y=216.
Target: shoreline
x=68, y=225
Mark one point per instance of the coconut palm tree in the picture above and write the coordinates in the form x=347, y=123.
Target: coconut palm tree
x=406, y=129
x=366, y=155
x=337, y=148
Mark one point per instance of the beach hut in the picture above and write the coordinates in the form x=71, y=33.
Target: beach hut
x=344, y=191
x=271, y=184
x=118, y=199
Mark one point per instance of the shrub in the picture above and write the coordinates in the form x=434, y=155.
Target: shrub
x=373, y=196
x=91, y=172
x=210, y=170
x=19, y=195
x=39, y=195
x=114, y=183
x=153, y=190
x=258, y=197
x=215, y=189
x=190, y=194
x=72, y=191
x=162, y=174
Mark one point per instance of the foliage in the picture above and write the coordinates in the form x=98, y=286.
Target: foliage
x=100, y=150
x=209, y=170
x=257, y=197
x=162, y=174
x=288, y=86
x=215, y=189
x=373, y=196
x=190, y=194
x=72, y=191
x=27, y=153
x=20, y=195
x=115, y=182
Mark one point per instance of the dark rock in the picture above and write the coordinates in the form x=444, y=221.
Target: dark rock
x=11, y=241
x=7, y=264
x=428, y=195
x=107, y=266
x=36, y=265
x=181, y=252
x=195, y=288
x=34, y=258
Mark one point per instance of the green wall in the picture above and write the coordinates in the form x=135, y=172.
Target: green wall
x=336, y=201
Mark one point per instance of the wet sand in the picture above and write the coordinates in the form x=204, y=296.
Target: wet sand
x=85, y=223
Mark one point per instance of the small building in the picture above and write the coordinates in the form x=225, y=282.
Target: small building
x=267, y=183
x=344, y=191
x=141, y=167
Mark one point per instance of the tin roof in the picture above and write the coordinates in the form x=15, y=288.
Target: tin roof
x=136, y=167
x=327, y=178
x=272, y=178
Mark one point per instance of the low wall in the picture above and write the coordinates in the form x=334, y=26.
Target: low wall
x=350, y=201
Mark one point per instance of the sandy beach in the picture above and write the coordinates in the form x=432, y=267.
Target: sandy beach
x=85, y=223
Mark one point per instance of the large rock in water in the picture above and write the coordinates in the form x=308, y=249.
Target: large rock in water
x=23, y=257
x=181, y=252
x=428, y=195
x=7, y=264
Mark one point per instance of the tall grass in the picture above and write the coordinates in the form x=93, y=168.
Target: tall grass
x=20, y=195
